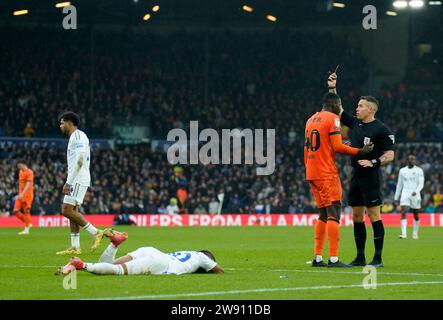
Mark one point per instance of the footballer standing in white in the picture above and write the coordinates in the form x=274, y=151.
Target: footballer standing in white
x=410, y=183
x=145, y=260
x=77, y=182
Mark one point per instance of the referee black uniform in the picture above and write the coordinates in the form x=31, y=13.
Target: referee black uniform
x=366, y=183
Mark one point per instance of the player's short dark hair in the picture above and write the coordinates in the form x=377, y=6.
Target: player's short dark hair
x=332, y=102
x=70, y=116
x=370, y=99
x=330, y=99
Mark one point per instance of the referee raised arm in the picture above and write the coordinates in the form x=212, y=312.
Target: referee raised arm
x=366, y=181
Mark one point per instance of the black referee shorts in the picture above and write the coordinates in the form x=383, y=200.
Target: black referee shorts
x=365, y=190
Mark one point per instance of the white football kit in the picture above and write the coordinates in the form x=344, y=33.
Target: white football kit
x=409, y=180
x=149, y=260
x=79, y=157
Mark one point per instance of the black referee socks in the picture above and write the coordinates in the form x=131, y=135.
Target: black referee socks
x=379, y=234
x=360, y=238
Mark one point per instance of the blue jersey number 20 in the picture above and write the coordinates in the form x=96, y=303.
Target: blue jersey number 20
x=181, y=256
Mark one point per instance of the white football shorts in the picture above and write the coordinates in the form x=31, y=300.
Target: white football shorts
x=148, y=260
x=411, y=202
x=76, y=196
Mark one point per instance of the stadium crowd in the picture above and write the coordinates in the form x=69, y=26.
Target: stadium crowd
x=134, y=179
x=224, y=80
x=238, y=81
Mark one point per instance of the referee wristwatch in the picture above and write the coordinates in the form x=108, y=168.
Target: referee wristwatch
x=376, y=163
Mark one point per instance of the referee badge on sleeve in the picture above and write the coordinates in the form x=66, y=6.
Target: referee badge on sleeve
x=337, y=123
x=392, y=138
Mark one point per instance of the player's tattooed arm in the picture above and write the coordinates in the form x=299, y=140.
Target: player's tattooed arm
x=78, y=163
x=387, y=157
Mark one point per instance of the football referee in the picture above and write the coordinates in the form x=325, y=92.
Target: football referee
x=366, y=181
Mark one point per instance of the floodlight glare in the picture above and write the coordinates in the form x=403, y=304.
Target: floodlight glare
x=338, y=5
x=400, y=4
x=391, y=13
x=271, y=18
x=20, y=12
x=62, y=4
x=247, y=8
x=416, y=3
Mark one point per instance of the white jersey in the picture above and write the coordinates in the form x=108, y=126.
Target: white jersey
x=149, y=260
x=409, y=180
x=188, y=262
x=79, y=156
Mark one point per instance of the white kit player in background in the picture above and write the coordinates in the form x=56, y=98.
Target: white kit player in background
x=77, y=183
x=145, y=260
x=410, y=183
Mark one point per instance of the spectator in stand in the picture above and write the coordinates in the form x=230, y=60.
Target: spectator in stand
x=439, y=208
x=213, y=206
x=387, y=207
x=172, y=208
x=29, y=131
x=200, y=209
x=430, y=208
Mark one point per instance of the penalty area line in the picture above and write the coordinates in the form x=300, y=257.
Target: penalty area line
x=263, y=290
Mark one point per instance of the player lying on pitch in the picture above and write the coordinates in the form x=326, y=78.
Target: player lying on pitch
x=145, y=260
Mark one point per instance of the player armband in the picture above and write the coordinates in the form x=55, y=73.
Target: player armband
x=376, y=163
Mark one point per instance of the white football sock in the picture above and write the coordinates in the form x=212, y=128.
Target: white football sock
x=75, y=240
x=103, y=268
x=404, y=226
x=109, y=254
x=90, y=228
x=416, y=225
x=333, y=259
x=318, y=258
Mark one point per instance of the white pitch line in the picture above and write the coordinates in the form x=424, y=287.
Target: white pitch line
x=215, y=293
x=342, y=272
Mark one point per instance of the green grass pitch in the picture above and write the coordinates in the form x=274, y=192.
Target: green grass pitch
x=260, y=263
